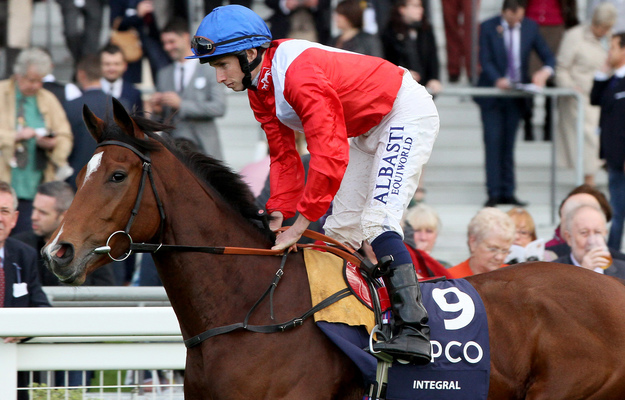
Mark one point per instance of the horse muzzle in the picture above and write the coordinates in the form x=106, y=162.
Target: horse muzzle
x=58, y=258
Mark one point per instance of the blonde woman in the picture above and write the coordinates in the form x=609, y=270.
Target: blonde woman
x=424, y=223
x=490, y=235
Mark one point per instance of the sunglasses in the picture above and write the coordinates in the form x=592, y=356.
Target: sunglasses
x=202, y=46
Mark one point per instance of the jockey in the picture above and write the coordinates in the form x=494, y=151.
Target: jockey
x=331, y=96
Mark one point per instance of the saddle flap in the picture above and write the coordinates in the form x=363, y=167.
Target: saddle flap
x=359, y=287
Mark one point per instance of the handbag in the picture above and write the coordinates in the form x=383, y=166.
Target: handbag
x=128, y=41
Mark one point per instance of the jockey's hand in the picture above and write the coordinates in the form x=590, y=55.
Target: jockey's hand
x=290, y=237
x=276, y=221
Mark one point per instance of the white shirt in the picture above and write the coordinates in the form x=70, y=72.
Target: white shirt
x=189, y=70
x=112, y=88
x=602, y=76
x=71, y=91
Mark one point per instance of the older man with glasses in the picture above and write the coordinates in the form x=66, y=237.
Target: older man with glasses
x=585, y=231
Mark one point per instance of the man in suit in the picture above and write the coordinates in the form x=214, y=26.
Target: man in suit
x=51, y=202
x=113, y=67
x=49, y=207
x=609, y=93
x=187, y=96
x=506, y=42
x=88, y=76
x=19, y=280
x=585, y=228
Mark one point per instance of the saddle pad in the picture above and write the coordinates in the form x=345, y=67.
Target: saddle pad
x=325, y=276
x=460, y=344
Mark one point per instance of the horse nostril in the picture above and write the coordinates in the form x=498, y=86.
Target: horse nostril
x=64, y=255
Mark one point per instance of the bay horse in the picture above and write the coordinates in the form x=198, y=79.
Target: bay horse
x=556, y=331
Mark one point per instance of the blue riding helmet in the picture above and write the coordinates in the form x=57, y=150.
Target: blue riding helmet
x=228, y=30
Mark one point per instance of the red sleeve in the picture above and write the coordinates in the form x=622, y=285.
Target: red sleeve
x=286, y=173
x=316, y=102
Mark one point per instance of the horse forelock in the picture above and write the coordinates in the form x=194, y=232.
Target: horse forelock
x=229, y=185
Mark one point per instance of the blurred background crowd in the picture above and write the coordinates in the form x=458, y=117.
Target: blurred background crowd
x=56, y=56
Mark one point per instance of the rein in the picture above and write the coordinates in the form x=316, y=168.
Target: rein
x=337, y=248
x=340, y=249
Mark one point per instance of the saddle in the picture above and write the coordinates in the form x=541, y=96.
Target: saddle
x=460, y=368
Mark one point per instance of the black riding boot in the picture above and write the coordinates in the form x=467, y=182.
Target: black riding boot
x=411, y=339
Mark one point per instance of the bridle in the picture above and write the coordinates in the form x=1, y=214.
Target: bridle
x=340, y=250
x=153, y=248
x=147, y=173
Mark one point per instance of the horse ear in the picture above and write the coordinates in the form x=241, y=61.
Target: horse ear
x=125, y=121
x=94, y=124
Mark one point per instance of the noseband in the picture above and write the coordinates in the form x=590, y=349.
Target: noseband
x=147, y=173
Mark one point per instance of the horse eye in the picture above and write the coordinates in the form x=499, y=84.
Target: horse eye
x=118, y=177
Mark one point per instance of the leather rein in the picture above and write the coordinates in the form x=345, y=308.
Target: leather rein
x=336, y=248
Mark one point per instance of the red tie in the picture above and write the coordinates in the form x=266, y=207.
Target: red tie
x=1, y=283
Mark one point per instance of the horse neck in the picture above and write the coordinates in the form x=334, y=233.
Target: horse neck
x=196, y=213
x=208, y=289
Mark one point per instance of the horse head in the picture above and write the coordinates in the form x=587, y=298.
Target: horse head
x=112, y=187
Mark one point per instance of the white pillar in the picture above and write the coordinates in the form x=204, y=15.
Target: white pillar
x=8, y=370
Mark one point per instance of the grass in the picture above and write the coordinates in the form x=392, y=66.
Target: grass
x=109, y=379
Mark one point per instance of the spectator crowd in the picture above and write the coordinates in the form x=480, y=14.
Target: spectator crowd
x=528, y=45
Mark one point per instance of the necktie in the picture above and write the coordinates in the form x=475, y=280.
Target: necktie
x=1, y=283
x=510, y=53
x=614, y=81
x=181, y=87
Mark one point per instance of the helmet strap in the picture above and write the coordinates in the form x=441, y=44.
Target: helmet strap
x=247, y=67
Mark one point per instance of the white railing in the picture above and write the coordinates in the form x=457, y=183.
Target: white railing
x=119, y=338
x=100, y=296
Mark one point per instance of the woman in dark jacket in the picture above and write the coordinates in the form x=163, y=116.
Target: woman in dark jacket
x=409, y=42
x=348, y=19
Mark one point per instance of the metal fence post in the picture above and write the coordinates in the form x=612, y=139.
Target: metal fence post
x=554, y=127
x=8, y=370
x=579, y=170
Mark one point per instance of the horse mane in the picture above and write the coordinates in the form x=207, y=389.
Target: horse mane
x=228, y=184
